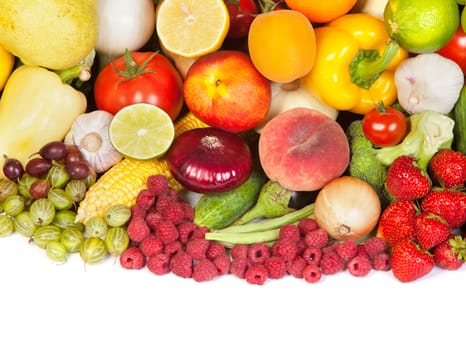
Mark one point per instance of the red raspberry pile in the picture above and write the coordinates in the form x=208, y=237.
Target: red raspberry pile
x=164, y=238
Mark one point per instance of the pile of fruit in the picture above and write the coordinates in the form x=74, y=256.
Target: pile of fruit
x=253, y=138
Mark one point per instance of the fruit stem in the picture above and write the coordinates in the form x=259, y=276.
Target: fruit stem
x=273, y=201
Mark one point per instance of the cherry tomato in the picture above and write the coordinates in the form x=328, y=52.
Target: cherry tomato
x=139, y=77
x=384, y=126
x=241, y=15
x=455, y=49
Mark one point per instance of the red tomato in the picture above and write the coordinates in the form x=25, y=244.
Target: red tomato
x=139, y=77
x=241, y=15
x=455, y=49
x=384, y=126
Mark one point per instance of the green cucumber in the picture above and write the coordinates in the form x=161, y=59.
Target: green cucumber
x=459, y=130
x=219, y=210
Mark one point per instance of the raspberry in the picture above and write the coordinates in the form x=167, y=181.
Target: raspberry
x=200, y=232
x=290, y=232
x=312, y=255
x=138, y=211
x=329, y=247
x=181, y=264
x=256, y=274
x=276, y=267
x=381, y=262
x=359, y=266
x=157, y=184
x=347, y=249
x=286, y=249
x=188, y=211
x=239, y=266
x=153, y=219
x=138, y=229
x=173, y=247
x=215, y=249
x=312, y=273
x=145, y=199
x=223, y=263
x=132, y=259
x=162, y=202
x=174, y=212
x=295, y=267
x=185, y=230
x=239, y=251
x=317, y=238
x=362, y=251
x=258, y=253
x=306, y=225
x=331, y=263
x=301, y=246
x=167, y=232
x=197, y=248
x=151, y=245
x=159, y=264
x=204, y=270
x=375, y=246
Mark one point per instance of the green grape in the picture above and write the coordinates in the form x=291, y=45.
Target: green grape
x=42, y=211
x=117, y=215
x=93, y=250
x=60, y=198
x=117, y=240
x=24, y=224
x=25, y=183
x=45, y=234
x=66, y=218
x=72, y=239
x=7, y=188
x=76, y=189
x=6, y=225
x=96, y=227
x=14, y=205
x=58, y=176
x=56, y=251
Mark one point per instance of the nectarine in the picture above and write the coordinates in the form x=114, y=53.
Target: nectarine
x=303, y=149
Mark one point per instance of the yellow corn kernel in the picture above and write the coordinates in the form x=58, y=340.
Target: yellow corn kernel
x=122, y=183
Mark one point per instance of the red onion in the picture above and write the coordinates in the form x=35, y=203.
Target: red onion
x=210, y=160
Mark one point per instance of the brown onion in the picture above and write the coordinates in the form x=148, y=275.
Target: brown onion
x=210, y=160
x=347, y=208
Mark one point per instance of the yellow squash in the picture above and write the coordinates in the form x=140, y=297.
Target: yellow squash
x=36, y=107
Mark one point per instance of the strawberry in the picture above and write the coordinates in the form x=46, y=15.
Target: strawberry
x=451, y=253
x=431, y=230
x=448, y=168
x=410, y=262
x=397, y=222
x=405, y=181
x=449, y=204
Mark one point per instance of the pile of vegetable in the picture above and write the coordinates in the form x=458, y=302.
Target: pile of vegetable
x=346, y=129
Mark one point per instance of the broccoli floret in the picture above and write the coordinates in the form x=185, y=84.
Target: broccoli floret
x=363, y=163
x=429, y=132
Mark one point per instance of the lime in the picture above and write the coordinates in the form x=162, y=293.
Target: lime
x=141, y=131
x=422, y=26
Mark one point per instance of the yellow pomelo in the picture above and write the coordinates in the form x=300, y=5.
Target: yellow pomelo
x=422, y=26
x=141, y=131
x=192, y=28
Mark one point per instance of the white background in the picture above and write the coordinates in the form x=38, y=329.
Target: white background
x=71, y=306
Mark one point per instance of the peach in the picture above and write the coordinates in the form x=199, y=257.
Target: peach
x=303, y=149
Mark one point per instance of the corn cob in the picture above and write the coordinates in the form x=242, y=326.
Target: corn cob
x=122, y=183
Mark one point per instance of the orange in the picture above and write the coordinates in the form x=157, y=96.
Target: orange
x=192, y=28
x=321, y=11
x=282, y=45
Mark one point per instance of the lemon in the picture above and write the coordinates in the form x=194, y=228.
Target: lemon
x=192, y=28
x=421, y=26
x=141, y=131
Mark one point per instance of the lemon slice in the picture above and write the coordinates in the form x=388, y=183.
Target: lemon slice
x=141, y=131
x=192, y=28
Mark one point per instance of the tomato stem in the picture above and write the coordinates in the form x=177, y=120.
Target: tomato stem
x=132, y=70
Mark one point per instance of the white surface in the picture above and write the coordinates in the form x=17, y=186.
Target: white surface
x=49, y=306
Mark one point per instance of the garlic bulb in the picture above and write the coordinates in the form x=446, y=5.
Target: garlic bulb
x=90, y=133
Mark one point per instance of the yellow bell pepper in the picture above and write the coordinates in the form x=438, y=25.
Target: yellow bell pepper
x=355, y=64
x=7, y=61
x=36, y=107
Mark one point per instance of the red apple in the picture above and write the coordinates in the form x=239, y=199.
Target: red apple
x=226, y=91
